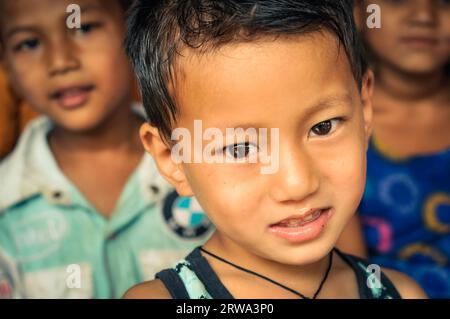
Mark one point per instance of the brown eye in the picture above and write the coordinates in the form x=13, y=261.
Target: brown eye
x=322, y=128
x=27, y=45
x=240, y=151
x=325, y=127
x=88, y=27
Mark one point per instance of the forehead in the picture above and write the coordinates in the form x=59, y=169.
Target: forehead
x=39, y=11
x=247, y=78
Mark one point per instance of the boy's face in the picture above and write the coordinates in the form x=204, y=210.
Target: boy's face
x=292, y=85
x=76, y=76
x=414, y=34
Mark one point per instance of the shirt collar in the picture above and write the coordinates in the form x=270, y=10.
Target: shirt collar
x=31, y=168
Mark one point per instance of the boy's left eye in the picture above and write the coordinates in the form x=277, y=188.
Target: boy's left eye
x=325, y=127
x=87, y=27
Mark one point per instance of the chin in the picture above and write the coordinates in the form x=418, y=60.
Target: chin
x=420, y=66
x=306, y=253
x=80, y=126
x=85, y=120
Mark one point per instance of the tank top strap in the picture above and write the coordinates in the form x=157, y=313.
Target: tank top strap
x=369, y=286
x=193, y=278
x=207, y=275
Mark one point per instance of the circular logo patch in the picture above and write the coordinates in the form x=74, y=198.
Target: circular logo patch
x=185, y=216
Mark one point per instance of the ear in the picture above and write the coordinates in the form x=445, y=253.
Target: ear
x=161, y=153
x=366, y=101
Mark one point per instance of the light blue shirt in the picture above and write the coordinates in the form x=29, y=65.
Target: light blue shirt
x=55, y=244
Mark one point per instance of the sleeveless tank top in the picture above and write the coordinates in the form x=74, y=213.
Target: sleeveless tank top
x=194, y=278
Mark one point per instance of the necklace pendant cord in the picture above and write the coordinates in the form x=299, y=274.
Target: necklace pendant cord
x=325, y=277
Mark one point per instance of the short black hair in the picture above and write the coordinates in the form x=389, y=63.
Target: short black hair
x=158, y=30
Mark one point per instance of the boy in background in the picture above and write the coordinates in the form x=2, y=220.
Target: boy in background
x=83, y=212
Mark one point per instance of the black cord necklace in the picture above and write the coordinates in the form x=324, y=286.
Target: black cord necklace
x=273, y=281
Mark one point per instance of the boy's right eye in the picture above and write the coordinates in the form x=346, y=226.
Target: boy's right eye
x=240, y=150
x=26, y=45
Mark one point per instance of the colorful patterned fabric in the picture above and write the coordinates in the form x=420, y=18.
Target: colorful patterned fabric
x=405, y=213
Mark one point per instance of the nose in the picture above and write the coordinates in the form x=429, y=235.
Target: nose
x=297, y=178
x=62, y=57
x=423, y=13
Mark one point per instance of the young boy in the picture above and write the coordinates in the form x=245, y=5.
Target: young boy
x=292, y=67
x=83, y=212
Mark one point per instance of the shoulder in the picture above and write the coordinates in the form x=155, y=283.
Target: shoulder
x=20, y=170
x=405, y=285
x=16, y=160
x=153, y=289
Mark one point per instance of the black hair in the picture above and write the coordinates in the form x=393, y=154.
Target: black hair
x=158, y=30
x=125, y=4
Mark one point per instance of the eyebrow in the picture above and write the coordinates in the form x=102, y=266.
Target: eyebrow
x=244, y=126
x=90, y=7
x=327, y=102
x=11, y=32
x=322, y=104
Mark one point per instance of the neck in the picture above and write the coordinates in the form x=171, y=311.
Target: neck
x=293, y=276
x=118, y=131
x=411, y=89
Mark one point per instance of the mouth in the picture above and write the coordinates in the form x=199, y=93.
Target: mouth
x=300, y=228
x=420, y=42
x=72, y=97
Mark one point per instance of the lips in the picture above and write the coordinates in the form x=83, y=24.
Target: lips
x=72, y=97
x=420, y=41
x=300, y=228
x=296, y=221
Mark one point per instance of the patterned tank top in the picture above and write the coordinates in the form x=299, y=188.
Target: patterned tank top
x=194, y=278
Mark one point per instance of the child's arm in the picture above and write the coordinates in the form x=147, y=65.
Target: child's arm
x=352, y=239
x=153, y=289
x=406, y=286
x=9, y=277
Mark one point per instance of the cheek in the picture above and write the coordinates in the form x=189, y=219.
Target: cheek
x=345, y=169
x=23, y=77
x=379, y=39
x=445, y=22
x=446, y=39
x=226, y=197
x=349, y=173
x=111, y=70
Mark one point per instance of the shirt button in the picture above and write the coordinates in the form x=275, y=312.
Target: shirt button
x=57, y=195
x=112, y=236
x=154, y=189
